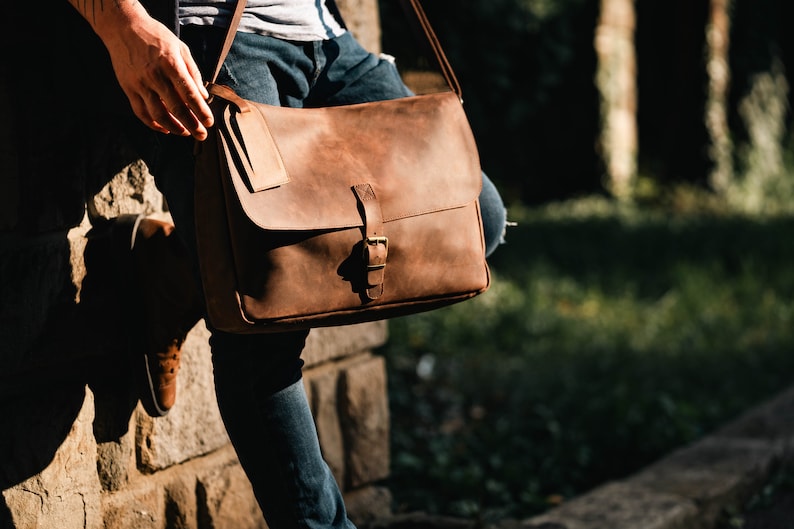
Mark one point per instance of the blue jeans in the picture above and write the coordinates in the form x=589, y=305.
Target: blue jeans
x=257, y=376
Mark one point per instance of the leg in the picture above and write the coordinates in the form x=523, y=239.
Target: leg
x=273, y=431
x=494, y=215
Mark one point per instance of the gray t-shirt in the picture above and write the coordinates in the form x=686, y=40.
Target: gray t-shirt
x=298, y=20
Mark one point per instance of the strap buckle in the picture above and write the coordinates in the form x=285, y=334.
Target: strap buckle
x=375, y=258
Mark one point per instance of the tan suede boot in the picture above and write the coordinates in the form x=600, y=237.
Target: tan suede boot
x=165, y=303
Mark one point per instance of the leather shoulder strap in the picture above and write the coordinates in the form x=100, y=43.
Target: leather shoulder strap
x=412, y=8
x=227, y=42
x=422, y=26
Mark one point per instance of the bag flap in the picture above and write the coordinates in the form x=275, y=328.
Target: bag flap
x=295, y=168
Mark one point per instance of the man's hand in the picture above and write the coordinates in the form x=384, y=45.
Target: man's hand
x=153, y=67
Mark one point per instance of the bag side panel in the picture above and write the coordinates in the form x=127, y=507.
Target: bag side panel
x=217, y=269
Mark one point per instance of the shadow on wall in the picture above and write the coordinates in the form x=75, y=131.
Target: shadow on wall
x=57, y=338
x=53, y=347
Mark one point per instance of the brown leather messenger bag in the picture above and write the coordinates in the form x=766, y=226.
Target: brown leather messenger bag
x=313, y=217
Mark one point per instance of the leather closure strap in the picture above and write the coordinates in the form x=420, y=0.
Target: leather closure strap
x=376, y=244
x=256, y=153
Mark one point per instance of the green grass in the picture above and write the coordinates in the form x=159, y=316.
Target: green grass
x=609, y=337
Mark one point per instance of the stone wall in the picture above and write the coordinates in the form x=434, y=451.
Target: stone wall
x=76, y=448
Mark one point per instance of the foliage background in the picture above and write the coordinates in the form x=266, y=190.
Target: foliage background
x=527, y=68
x=613, y=332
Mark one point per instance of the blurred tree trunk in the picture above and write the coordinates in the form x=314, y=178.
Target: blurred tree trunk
x=718, y=69
x=616, y=79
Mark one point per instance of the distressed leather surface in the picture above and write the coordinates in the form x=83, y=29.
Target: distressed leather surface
x=287, y=241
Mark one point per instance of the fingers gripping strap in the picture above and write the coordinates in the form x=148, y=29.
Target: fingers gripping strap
x=376, y=245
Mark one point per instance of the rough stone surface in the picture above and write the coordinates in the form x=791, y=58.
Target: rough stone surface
x=140, y=508
x=714, y=472
x=181, y=508
x=365, y=416
x=131, y=191
x=332, y=343
x=620, y=506
x=115, y=459
x=66, y=493
x=226, y=499
x=368, y=504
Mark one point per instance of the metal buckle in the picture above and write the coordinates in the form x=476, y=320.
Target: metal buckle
x=374, y=241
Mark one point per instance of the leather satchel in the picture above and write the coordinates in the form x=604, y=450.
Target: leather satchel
x=313, y=217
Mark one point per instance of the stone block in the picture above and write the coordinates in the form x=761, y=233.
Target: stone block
x=712, y=473
x=34, y=428
x=141, y=507
x=194, y=426
x=619, y=506
x=225, y=499
x=716, y=465
x=66, y=492
x=368, y=504
x=132, y=190
x=332, y=343
x=115, y=460
x=364, y=412
x=181, y=509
